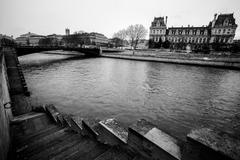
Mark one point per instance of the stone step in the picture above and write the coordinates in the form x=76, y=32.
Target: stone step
x=207, y=144
x=40, y=147
x=114, y=153
x=25, y=117
x=67, y=120
x=30, y=123
x=22, y=140
x=40, y=142
x=153, y=143
x=139, y=157
x=112, y=133
x=78, y=147
x=89, y=153
x=90, y=128
x=62, y=145
x=78, y=151
x=52, y=111
x=75, y=126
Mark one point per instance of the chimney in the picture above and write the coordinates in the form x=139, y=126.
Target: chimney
x=188, y=26
x=215, y=16
x=166, y=20
x=214, y=20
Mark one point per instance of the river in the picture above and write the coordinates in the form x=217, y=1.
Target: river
x=176, y=98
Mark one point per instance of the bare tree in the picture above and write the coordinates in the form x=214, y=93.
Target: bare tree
x=135, y=33
x=122, y=34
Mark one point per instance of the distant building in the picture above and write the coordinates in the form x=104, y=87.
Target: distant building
x=158, y=29
x=55, y=36
x=221, y=30
x=29, y=39
x=6, y=40
x=98, y=39
x=5, y=36
x=82, y=38
x=194, y=35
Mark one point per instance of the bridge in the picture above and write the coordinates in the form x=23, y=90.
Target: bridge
x=23, y=50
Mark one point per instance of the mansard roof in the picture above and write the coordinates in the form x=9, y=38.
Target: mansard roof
x=158, y=19
x=29, y=34
x=203, y=27
x=222, y=17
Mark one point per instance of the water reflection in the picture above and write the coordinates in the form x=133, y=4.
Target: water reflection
x=177, y=98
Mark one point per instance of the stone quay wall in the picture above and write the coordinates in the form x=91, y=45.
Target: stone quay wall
x=199, y=61
x=4, y=104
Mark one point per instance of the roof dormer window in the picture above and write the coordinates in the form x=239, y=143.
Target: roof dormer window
x=226, y=22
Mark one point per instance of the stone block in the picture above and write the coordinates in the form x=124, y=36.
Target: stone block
x=208, y=144
x=61, y=120
x=52, y=112
x=67, y=119
x=153, y=143
x=76, y=126
x=88, y=128
x=30, y=122
x=112, y=133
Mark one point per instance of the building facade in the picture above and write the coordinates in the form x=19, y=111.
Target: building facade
x=220, y=30
x=84, y=39
x=223, y=28
x=29, y=39
x=158, y=29
x=6, y=40
x=98, y=39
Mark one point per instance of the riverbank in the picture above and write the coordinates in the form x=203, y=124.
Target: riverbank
x=178, y=58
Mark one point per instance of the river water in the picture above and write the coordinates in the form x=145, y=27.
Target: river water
x=176, y=98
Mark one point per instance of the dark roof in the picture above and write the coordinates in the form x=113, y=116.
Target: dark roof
x=222, y=17
x=203, y=27
x=160, y=19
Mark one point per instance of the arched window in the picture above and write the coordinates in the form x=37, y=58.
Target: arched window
x=226, y=22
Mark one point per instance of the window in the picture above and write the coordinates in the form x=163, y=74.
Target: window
x=226, y=22
x=198, y=32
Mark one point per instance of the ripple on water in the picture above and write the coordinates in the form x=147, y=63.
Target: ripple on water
x=176, y=98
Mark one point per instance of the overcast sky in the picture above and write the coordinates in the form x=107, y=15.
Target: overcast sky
x=106, y=16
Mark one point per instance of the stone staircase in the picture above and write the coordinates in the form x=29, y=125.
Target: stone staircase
x=36, y=136
x=51, y=135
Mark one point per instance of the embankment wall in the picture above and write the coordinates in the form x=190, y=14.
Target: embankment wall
x=4, y=104
x=203, y=62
